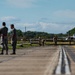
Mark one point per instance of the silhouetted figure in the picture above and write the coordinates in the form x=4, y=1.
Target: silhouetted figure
x=30, y=42
x=55, y=40
x=21, y=43
x=4, y=38
x=70, y=40
x=39, y=41
x=43, y=42
x=13, y=39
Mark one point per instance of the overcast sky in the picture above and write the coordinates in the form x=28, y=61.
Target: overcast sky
x=52, y=16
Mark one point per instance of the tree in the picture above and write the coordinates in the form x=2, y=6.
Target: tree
x=71, y=32
x=19, y=33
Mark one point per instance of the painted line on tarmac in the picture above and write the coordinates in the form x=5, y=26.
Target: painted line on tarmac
x=67, y=68
x=58, y=69
x=63, y=60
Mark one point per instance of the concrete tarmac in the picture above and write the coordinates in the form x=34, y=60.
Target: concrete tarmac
x=30, y=61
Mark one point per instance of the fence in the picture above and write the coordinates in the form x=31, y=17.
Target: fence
x=52, y=42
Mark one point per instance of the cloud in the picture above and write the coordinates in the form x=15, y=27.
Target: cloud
x=22, y=3
x=29, y=26
x=9, y=19
x=46, y=27
x=50, y=27
x=56, y=27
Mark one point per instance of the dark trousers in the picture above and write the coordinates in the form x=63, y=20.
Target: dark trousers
x=4, y=46
x=55, y=42
x=14, y=46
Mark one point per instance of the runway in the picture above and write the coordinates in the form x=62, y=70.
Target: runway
x=47, y=60
x=30, y=61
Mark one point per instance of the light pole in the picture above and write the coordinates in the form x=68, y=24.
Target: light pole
x=25, y=28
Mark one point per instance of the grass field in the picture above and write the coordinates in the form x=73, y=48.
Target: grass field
x=26, y=44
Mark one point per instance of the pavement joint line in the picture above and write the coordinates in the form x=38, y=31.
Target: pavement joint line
x=11, y=58
x=16, y=56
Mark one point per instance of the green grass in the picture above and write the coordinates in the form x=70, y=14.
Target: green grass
x=28, y=45
x=24, y=46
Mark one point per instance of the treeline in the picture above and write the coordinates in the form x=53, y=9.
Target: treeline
x=44, y=35
x=71, y=32
x=33, y=34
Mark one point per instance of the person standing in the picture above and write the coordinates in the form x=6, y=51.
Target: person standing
x=55, y=40
x=4, y=35
x=13, y=39
x=39, y=41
